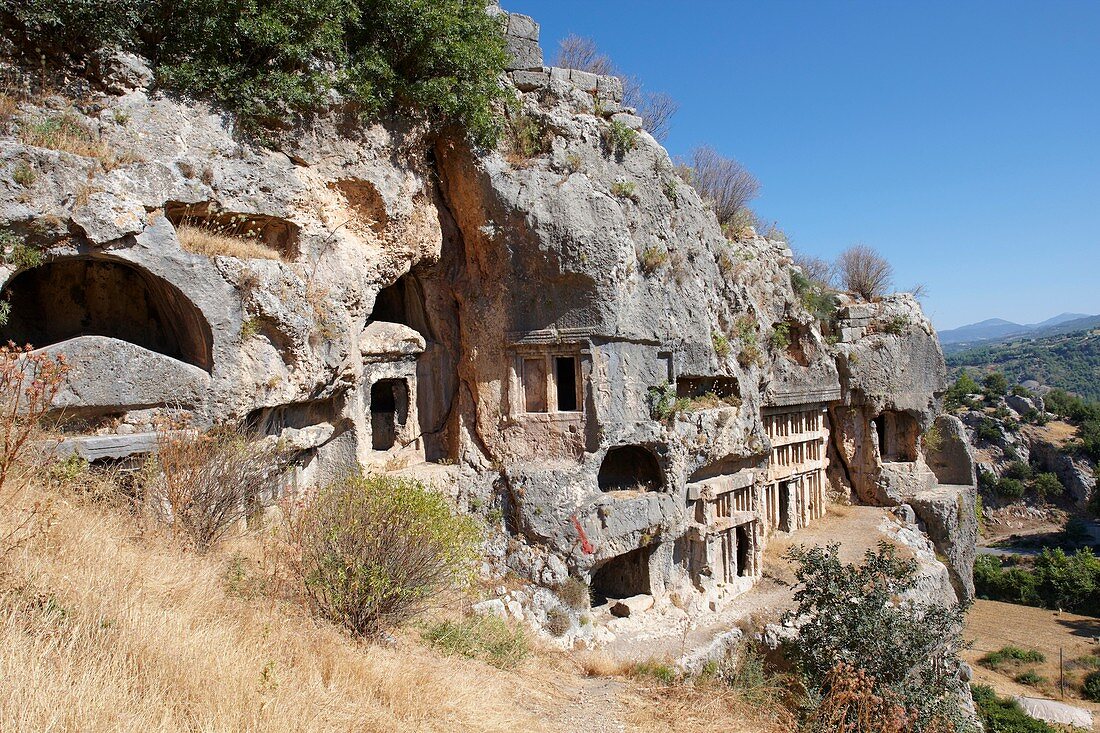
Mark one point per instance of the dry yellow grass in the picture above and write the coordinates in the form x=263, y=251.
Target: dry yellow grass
x=991, y=625
x=203, y=241
x=65, y=132
x=103, y=630
x=106, y=626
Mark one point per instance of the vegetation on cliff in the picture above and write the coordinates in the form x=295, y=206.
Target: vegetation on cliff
x=269, y=62
x=1066, y=361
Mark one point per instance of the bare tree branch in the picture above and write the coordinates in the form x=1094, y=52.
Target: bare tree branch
x=722, y=182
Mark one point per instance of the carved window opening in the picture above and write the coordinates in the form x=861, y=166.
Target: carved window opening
x=630, y=468
x=550, y=383
x=82, y=296
x=389, y=409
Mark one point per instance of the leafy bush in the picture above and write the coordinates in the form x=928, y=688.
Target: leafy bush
x=625, y=190
x=619, y=139
x=1030, y=677
x=1090, y=688
x=1010, y=488
x=663, y=403
x=995, y=384
x=1047, y=485
x=1056, y=580
x=781, y=336
x=17, y=253
x=721, y=344
x=269, y=62
x=959, y=392
x=1004, y=715
x=205, y=484
x=1018, y=470
x=1009, y=655
x=857, y=616
x=528, y=137
x=660, y=671
x=376, y=550
x=487, y=638
x=988, y=430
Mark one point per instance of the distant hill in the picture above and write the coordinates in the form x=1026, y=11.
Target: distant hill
x=998, y=330
x=1068, y=360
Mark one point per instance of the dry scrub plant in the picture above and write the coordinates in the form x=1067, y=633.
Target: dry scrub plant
x=377, y=550
x=235, y=237
x=723, y=183
x=205, y=484
x=864, y=271
x=28, y=384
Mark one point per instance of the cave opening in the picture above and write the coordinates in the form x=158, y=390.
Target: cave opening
x=623, y=576
x=630, y=468
x=84, y=296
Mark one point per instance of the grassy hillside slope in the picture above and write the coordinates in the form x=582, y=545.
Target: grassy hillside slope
x=106, y=625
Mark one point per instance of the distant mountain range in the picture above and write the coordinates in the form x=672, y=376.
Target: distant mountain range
x=998, y=330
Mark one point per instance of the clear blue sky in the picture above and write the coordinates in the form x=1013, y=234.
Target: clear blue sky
x=961, y=139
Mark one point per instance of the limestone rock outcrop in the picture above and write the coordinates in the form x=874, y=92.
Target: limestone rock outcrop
x=564, y=338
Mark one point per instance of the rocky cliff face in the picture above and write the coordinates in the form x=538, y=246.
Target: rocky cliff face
x=561, y=334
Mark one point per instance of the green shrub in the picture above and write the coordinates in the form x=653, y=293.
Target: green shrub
x=721, y=344
x=853, y=616
x=1018, y=470
x=1007, y=655
x=24, y=175
x=1004, y=715
x=988, y=430
x=1055, y=580
x=619, y=139
x=780, y=338
x=1010, y=488
x=660, y=671
x=1090, y=688
x=663, y=402
x=1030, y=677
x=932, y=439
x=995, y=384
x=895, y=325
x=959, y=392
x=528, y=136
x=269, y=62
x=487, y=638
x=1047, y=485
x=17, y=253
x=376, y=550
x=625, y=190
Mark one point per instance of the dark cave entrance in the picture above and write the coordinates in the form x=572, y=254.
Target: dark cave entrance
x=82, y=296
x=389, y=409
x=630, y=468
x=623, y=576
